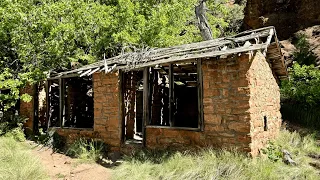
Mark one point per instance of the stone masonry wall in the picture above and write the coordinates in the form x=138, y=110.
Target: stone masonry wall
x=264, y=103
x=26, y=108
x=106, y=108
x=226, y=97
x=73, y=134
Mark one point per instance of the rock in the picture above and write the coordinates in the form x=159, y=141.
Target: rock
x=288, y=16
x=114, y=156
x=287, y=159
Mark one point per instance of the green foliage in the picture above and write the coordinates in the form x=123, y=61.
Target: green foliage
x=16, y=133
x=86, y=149
x=11, y=126
x=37, y=36
x=213, y=164
x=303, y=55
x=154, y=156
x=17, y=162
x=273, y=152
x=303, y=85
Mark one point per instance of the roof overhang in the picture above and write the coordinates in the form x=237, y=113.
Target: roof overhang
x=264, y=39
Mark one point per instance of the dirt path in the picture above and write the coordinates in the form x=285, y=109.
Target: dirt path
x=59, y=166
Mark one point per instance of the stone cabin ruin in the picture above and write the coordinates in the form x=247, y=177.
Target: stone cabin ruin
x=221, y=93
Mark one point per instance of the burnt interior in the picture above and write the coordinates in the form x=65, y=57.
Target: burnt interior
x=133, y=104
x=77, y=102
x=53, y=103
x=174, y=95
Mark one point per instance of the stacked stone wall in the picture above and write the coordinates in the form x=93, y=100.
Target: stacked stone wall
x=226, y=109
x=264, y=103
x=107, y=118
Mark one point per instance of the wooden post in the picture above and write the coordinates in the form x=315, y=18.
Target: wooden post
x=200, y=94
x=48, y=87
x=171, y=95
x=121, y=106
x=61, y=101
x=146, y=106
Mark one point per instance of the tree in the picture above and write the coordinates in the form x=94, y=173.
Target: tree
x=37, y=36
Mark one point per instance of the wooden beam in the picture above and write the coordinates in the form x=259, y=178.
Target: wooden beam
x=85, y=73
x=121, y=106
x=48, y=88
x=95, y=70
x=175, y=59
x=64, y=76
x=271, y=32
x=61, y=101
x=200, y=94
x=146, y=106
x=171, y=95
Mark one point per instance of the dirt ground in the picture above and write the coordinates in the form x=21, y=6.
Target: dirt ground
x=59, y=166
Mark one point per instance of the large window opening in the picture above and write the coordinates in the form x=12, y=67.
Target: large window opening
x=70, y=102
x=175, y=95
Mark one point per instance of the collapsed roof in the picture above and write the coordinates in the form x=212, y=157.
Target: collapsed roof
x=264, y=39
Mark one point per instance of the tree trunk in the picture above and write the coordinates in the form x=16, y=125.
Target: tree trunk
x=202, y=21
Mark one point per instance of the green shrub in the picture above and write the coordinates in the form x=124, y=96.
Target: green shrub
x=273, y=152
x=86, y=149
x=17, y=134
x=303, y=55
x=303, y=85
x=11, y=126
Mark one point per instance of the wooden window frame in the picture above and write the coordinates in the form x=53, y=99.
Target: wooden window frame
x=62, y=88
x=147, y=99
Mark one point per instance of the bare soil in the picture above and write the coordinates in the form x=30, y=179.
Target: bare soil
x=60, y=166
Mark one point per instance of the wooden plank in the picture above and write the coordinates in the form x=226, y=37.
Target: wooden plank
x=146, y=106
x=85, y=73
x=64, y=76
x=61, y=101
x=155, y=53
x=48, y=88
x=95, y=70
x=268, y=41
x=121, y=106
x=200, y=94
x=171, y=95
x=203, y=55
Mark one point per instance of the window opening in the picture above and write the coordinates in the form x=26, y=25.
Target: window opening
x=174, y=92
x=265, y=123
x=77, y=103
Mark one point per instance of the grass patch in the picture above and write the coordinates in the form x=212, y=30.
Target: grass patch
x=212, y=164
x=17, y=162
x=86, y=150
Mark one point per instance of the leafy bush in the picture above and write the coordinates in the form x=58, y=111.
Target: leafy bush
x=86, y=149
x=11, y=126
x=273, y=152
x=17, y=134
x=303, y=85
x=303, y=55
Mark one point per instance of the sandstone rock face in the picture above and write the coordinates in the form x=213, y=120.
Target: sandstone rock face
x=312, y=35
x=288, y=16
